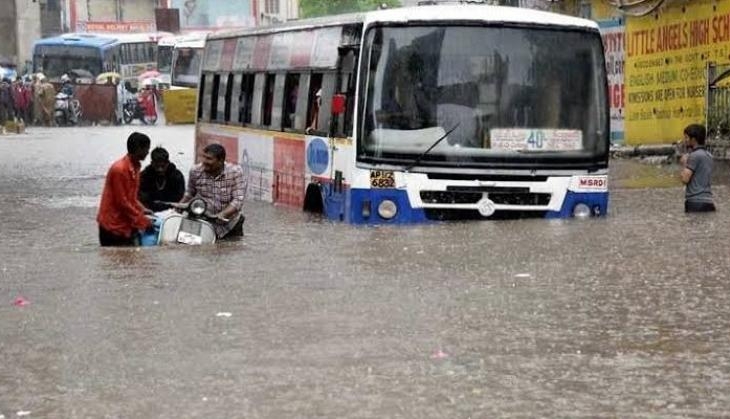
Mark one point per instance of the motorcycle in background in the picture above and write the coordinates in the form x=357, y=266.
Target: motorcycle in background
x=67, y=110
x=142, y=108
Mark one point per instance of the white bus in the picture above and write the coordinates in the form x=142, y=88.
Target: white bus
x=186, y=59
x=138, y=54
x=415, y=114
x=165, y=47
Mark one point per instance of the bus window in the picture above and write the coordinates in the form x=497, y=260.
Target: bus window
x=315, y=101
x=201, y=95
x=214, y=97
x=268, y=102
x=228, y=97
x=245, y=99
x=328, y=90
x=234, y=100
x=349, y=63
x=291, y=91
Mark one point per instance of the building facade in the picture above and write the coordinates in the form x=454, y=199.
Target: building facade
x=661, y=56
x=20, y=26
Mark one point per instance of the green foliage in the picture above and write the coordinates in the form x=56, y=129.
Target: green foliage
x=314, y=8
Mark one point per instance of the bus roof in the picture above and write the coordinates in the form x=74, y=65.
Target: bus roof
x=319, y=22
x=130, y=38
x=191, y=43
x=80, y=39
x=496, y=14
x=169, y=41
x=462, y=12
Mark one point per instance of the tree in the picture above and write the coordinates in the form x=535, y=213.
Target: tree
x=313, y=8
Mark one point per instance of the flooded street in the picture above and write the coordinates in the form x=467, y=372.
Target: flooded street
x=624, y=316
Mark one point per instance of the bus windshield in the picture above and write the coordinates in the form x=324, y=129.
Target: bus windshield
x=186, y=66
x=504, y=94
x=54, y=66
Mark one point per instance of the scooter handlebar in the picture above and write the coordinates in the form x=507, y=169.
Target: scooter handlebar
x=175, y=205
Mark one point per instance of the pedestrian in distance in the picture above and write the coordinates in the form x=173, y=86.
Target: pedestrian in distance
x=21, y=100
x=121, y=216
x=696, y=171
x=223, y=187
x=47, y=102
x=7, y=108
x=161, y=181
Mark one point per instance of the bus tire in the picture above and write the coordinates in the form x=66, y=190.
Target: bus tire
x=313, y=199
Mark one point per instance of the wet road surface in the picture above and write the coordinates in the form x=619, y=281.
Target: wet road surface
x=625, y=316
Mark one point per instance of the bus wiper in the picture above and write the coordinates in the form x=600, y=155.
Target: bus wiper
x=422, y=155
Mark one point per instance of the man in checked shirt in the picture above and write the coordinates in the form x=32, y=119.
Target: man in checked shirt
x=223, y=188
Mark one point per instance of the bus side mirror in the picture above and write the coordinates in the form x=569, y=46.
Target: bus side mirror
x=338, y=104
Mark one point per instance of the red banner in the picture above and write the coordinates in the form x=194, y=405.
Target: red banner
x=288, y=172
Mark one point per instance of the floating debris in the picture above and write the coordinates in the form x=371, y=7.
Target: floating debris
x=440, y=355
x=21, y=302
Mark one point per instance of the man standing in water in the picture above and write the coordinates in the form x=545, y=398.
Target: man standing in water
x=697, y=171
x=161, y=181
x=223, y=186
x=121, y=214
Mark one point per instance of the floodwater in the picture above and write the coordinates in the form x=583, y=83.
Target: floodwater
x=623, y=316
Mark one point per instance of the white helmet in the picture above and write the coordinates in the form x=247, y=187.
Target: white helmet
x=65, y=78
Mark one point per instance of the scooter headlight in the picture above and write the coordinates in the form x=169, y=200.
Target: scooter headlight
x=197, y=207
x=387, y=209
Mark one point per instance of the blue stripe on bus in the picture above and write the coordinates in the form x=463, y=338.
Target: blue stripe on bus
x=347, y=205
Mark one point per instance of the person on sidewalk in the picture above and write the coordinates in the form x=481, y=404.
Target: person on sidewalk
x=121, y=215
x=696, y=171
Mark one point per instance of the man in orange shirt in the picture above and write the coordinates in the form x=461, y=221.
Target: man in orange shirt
x=121, y=214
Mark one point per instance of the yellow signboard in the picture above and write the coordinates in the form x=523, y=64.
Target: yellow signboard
x=180, y=105
x=666, y=61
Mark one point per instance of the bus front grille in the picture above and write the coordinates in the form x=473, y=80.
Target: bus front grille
x=506, y=197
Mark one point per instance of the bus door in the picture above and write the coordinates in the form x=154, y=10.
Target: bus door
x=339, y=87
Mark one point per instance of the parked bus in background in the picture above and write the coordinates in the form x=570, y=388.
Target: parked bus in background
x=164, y=59
x=138, y=54
x=186, y=59
x=181, y=98
x=80, y=55
x=415, y=114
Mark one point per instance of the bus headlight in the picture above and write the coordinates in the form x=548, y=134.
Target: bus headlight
x=582, y=211
x=387, y=209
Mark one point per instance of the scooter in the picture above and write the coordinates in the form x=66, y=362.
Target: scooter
x=193, y=225
x=67, y=111
x=139, y=108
